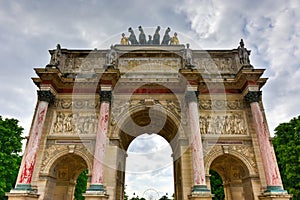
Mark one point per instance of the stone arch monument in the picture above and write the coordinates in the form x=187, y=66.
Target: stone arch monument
x=92, y=104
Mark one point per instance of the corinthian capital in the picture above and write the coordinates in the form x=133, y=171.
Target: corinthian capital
x=105, y=96
x=191, y=96
x=253, y=96
x=45, y=95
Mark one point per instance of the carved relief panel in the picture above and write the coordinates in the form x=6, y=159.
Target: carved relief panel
x=75, y=123
x=224, y=123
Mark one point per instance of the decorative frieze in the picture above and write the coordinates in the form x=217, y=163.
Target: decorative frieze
x=84, y=104
x=215, y=65
x=75, y=123
x=83, y=64
x=220, y=105
x=232, y=123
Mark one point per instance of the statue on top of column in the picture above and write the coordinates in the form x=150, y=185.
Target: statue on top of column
x=243, y=54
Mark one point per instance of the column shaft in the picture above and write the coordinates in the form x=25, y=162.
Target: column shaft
x=268, y=158
x=197, y=150
x=33, y=144
x=97, y=175
x=29, y=157
x=100, y=145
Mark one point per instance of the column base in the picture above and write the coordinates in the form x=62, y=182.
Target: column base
x=96, y=188
x=95, y=192
x=275, y=192
x=95, y=195
x=22, y=192
x=201, y=192
x=23, y=187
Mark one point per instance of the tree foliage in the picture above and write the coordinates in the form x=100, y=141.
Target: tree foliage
x=287, y=148
x=10, y=147
x=216, y=185
x=80, y=187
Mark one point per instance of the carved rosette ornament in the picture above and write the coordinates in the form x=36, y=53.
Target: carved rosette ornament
x=45, y=95
x=105, y=96
x=192, y=96
x=253, y=96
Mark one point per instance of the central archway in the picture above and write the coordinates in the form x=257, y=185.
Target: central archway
x=155, y=120
x=149, y=165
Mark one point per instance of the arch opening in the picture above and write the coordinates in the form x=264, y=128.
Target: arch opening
x=149, y=166
x=235, y=177
x=151, y=151
x=63, y=176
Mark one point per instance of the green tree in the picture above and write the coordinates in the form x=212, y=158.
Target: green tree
x=216, y=185
x=10, y=147
x=80, y=187
x=287, y=148
x=164, y=198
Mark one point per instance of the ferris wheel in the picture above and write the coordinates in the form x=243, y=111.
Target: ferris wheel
x=151, y=194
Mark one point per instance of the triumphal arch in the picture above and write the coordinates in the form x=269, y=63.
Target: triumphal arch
x=93, y=103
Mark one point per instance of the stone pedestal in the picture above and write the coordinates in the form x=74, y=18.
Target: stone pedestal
x=22, y=195
x=201, y=196
x=95, y=196
x=275, y=197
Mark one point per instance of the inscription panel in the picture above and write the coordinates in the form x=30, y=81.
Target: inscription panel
x=155, y=65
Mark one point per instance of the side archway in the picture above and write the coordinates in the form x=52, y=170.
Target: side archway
x=236, y=172
x=62, y=171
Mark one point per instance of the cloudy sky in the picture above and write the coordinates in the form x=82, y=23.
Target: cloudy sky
x=270, y=29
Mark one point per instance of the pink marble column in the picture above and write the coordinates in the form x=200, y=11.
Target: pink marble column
x=29, y=157
x=97, y=174
x=271, y=170
x=197, y=149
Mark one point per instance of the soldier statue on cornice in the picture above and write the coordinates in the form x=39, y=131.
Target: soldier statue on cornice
x=188, y=57
x=111, y=57
x=243, y=54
